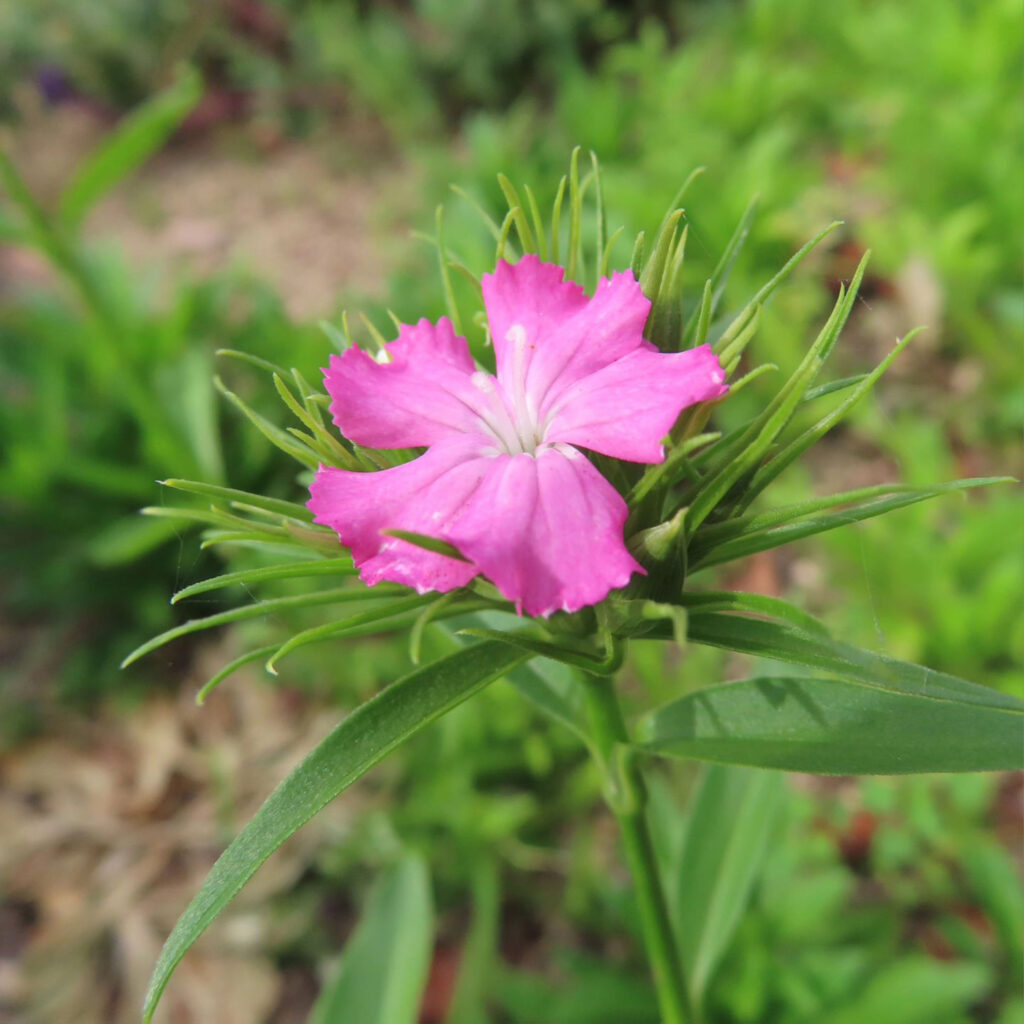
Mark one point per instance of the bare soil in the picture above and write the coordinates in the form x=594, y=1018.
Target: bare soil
x=314, y=220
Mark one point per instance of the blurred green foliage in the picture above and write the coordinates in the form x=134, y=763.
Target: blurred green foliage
x=108, y=388
x=414, y=64
x=899, y=118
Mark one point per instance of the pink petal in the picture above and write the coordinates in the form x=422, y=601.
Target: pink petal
x=425, y=393
x=627, y=408
x=422, y=496
x=547, y=530
x=547, y=334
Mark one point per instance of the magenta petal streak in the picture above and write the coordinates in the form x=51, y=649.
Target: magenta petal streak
x=503, y=479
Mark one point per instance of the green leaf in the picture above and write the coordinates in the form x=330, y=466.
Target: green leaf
x=285, y=545
x=743, y=526
x=670, y=470
x=553, y=688
x=368, y=734
x=211, y=516
x=752, y=540
x=703, y=316
x=287, y=570
x=504, y=250
x=230, y=669
x=916, y=990
x=766, y=290
x=714, y=289
x=574, y=254
x=526, y=238
x=727, y=832
x=383, y=969
x=752, y=604
x=654, y=269
x=252, y=360
x=434, y=544
x=271, y=431
x=336, y=595
x=835, y=727
x=821, y=390
x=745, y=452
x=480, y=950
x=319, y=438
x=664, y=325
x=600, y=217
x=779, y=462
x=136, y=138
x=589, y=662
x=636, y=260
x=796, y=646
x=289, y=509
x=397, y=614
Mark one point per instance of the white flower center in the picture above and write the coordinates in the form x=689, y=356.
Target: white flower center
x=508, y=412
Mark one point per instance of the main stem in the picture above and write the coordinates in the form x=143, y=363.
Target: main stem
x=627, y=797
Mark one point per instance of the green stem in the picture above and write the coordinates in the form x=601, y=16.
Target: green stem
x=626, y=794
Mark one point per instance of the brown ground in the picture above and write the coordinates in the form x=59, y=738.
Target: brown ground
x=312, y=220
x=110, y=827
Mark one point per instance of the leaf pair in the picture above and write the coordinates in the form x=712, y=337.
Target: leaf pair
x=880, y=716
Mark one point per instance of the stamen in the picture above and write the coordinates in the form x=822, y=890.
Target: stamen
x=523, y=408
x=495, y=415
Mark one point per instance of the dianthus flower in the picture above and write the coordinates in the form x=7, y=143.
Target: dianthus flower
x=503, y=479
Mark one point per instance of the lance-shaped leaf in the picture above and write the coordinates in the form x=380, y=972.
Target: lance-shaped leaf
x=298, y=450
x=393, y=615
x=276, y=506
x=752, y=604
x=722, y=852
x=136, y=138
x=479, y=959
x=592, y=662
x=766, y=290
x=211, y=516
x=383, y=969
x=767, y=473
x=252, y=577
x=837, y=727
x=231, y=668
x=336, y=595
x=861, y=498
x=550, y=685
x=705, y=555
x=697, y=328
x=798, y=647
x=371, y=732
x=743, y=454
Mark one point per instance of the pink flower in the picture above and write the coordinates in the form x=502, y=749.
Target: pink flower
x=503, y=479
